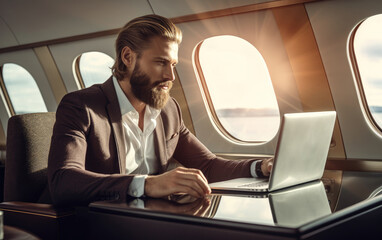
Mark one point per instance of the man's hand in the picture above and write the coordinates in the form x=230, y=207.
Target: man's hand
x=266, y=166
x=179, y=180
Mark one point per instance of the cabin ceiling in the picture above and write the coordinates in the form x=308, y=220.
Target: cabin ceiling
x=40, y=20
x=25, y=21
x=187, y=7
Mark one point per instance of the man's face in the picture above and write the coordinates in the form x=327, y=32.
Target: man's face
x=153, y=74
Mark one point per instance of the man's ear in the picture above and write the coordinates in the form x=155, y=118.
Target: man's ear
x=128, y=57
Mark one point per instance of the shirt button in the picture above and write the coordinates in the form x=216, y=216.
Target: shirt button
x=135, y=193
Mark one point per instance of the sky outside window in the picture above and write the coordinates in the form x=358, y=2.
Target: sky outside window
x=368, y=53
x=240, y=88
x=95, y=67
x=24, y=94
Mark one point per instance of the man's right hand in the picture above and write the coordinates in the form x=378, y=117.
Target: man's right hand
x=180, y=180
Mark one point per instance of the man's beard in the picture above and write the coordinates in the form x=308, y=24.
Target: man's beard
x=151, y=94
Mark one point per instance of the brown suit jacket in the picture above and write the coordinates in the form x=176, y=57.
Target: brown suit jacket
x=85, y=162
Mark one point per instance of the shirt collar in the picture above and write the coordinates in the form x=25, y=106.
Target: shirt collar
x=125, y=105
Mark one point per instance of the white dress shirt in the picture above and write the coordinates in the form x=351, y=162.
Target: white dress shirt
x=139, y=145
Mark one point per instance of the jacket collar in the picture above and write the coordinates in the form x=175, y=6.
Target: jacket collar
x=115, y=119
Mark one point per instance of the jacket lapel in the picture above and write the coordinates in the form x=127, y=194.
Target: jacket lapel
x=115, y=118
x=160, y=147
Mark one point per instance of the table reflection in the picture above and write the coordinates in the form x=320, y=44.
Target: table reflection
x=180, y=205
x=300, y=205
x=292, y=207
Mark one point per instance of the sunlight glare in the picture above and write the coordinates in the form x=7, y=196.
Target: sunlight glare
x=240, y=88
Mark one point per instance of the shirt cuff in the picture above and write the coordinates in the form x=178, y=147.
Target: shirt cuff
x=253, y=168
x=137, y=186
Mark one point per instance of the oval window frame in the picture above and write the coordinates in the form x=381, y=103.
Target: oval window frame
x=209, y=102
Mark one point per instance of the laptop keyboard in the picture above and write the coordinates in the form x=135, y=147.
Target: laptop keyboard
x=255, y=184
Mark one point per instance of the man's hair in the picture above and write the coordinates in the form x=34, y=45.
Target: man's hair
x=137, y=35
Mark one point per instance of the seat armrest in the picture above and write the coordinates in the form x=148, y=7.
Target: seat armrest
x=42, y=220
x=40, y=209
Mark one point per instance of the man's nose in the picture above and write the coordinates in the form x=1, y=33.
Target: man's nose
x=169, y=73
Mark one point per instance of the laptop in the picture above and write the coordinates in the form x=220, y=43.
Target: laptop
x=291, y=207
x=300, y=156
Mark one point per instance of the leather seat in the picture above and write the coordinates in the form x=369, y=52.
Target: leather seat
x=27, y=203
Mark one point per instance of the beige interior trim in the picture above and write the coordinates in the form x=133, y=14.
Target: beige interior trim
x=60, y=40
x=5, y=94
x=178, y=93
x=187, y=18
x=358, y=165
x=51, y=71
x=238, y=10
x=77, y=73
x=307, y=66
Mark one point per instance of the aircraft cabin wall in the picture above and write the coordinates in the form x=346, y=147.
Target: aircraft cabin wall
x=65, y=53
x=335, y=24
x=248, y=27
x=332, y=31
x=304, y=45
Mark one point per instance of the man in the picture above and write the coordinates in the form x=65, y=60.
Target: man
x=115, y=139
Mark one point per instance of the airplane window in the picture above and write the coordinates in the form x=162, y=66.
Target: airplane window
x=368, y=56
x=238, y=87
x=93, y=67
x=21, y=90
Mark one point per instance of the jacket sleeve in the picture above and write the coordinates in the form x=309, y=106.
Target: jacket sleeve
x=69, y=181
x=193, y=154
